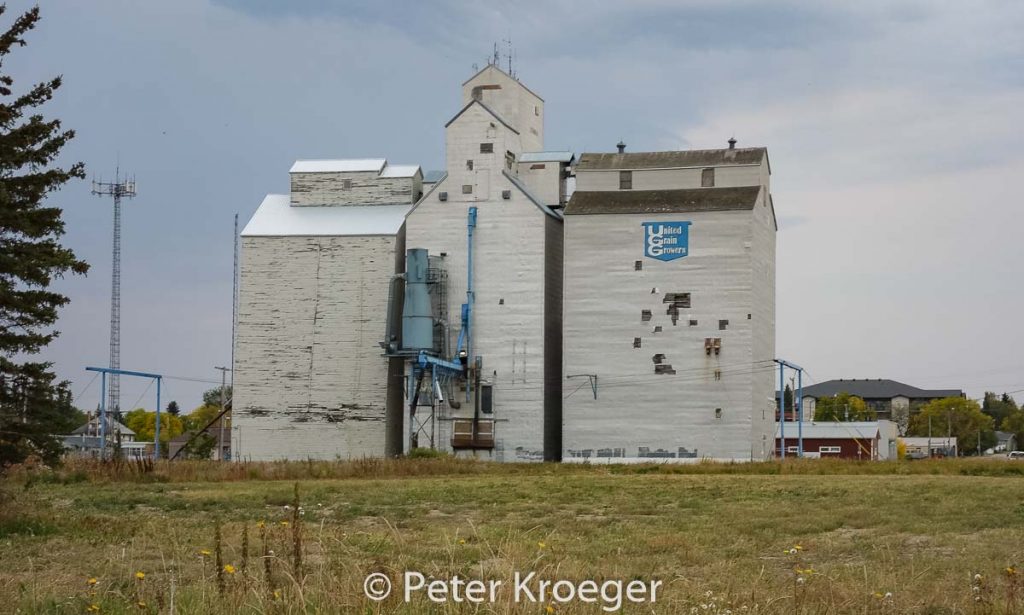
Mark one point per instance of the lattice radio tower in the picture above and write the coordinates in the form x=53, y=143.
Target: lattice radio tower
x=117, y=189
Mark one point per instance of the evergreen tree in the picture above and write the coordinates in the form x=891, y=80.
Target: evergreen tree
x=33, y=408
x=173, y=409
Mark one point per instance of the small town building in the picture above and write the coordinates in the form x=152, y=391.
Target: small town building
x=840, y=440
x=919, y=448
x=881, y=395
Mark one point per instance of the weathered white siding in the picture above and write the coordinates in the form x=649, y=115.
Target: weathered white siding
x=310, y=381
x=544, y=180
x=508, y=317
x=365, y=188
x=517, y=105
x=726, y=176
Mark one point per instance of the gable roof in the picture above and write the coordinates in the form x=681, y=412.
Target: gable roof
x=672, y=159
x=879, y=388
x=401, y=170
x=497, y=68
x=487, y=109
x=662, y=201
x=277, y=218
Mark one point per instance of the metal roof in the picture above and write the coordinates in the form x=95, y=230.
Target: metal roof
x=93, y=425
x=879, y=388
x=662, y=201
x=832, y=430
x=338, y=166
x=671, y=160
x=277, y=218
x=547, y=157
x=400, y=170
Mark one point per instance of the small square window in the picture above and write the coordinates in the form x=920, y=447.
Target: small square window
x=625, y=180
x=469, y=165
x=638, y=266
x=718, y=413
x=707, y=178
x=693, y=323
x=346, y=184
x=645, y=315
x=486, y=148
x=657, y=329
x=467, y=188
x=748, y=316
x=723, y=325
x=636, y=342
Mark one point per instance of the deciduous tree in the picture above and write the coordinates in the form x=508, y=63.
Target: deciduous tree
x=957, y=417
x=843, y=407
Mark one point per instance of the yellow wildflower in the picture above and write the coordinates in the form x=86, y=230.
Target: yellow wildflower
x=277, y=594
x=93, y=581
x=93, y=608
x=541, y=545
x=140, y=604
x=462, y=541
x=284, y=523
x=205, y=553
x=1011, y=571
x=260, y=524
x=798, y=547
x=549, y=609
x=228, y=568
x=140, y=575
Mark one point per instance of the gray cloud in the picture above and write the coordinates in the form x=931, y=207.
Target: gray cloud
x=892, y=129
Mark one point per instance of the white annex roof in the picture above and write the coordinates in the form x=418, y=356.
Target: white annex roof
x=837, y=430
x=546, y=157
x=277, y=218
x=338, y=166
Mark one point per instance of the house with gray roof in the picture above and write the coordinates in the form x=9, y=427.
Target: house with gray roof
x=881, y=395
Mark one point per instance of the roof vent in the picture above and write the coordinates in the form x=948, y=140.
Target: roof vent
x=621, y=146
x=732, y=143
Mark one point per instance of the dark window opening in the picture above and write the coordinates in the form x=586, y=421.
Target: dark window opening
x=718, y=374
x=664, y=369
x=487, y=399
x=645, y=315
x=346, y=184
x=535, y=167
x=693, y=323
x=718, y=413
x=658, y=359
x=657, y=329
x=625, y=180
x=486, y=148
x=467, y=189
x=510, y=159
x=469, y=165
x=748, y=316
x=636, y=342
x=707, y=178
x=501, y=301
x=638, y=266
x=723, y=325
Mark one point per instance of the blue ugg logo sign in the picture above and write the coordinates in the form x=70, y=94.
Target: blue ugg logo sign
x=666, y=241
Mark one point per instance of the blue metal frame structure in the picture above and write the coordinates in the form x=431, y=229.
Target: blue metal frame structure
x=103, y=404
x=799, y=407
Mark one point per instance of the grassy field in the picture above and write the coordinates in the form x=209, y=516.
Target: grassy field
x=801, y=537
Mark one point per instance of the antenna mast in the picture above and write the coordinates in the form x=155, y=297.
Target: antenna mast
x=116, y=189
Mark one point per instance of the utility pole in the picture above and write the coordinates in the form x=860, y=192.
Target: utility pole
x=116, y=189
x=929, y=436
x=223, y=406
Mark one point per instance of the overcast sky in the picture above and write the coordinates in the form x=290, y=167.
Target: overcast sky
x=894, y=131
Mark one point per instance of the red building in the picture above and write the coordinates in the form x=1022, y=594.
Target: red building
x=833, y=439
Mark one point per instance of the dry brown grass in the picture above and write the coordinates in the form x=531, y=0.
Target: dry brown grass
x=718, y=536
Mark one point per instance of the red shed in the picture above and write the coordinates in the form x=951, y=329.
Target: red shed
x=832, y=439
